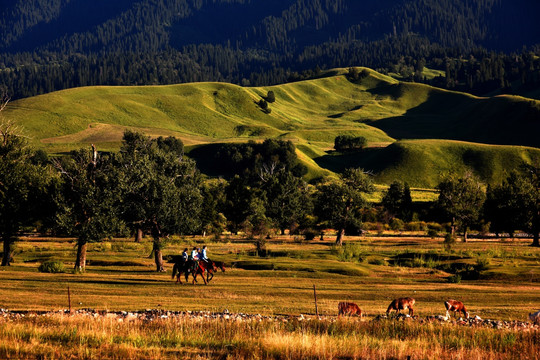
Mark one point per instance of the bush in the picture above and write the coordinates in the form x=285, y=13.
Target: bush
x=432, y=233
x=416, y=226
x=270, y=97
x=482, y=263
x=449, y=239
x=344, y=143
x=309, y=234
x=397, y=224
x=378, y=262
x=53, y=267
x=454, y=279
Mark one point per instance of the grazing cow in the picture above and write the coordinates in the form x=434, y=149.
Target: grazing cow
x=535, y=317
x=455, y=306
x=402, y=304
x=349, y=309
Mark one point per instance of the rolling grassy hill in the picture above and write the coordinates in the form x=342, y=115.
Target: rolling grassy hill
x=400, y=121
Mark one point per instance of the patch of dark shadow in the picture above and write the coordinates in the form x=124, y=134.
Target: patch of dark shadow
x=346, y=272
x=467, y=271
x=254, y=265
x=114, y=263
x=113, y=282
x=336, y=116
x=393, y=91
x=358, y=107
x=371, y=159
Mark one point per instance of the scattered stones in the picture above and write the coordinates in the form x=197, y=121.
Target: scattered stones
x=150, y=315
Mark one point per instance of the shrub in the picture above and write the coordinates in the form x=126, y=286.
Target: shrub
x=432, y=233
x=270, y=97
x=378, y=262
x=449, y=239
x=416, y=226
x=397, y=224
x=53, y=267
x=349, y=143
x=482, y=263
x=454, y=279
x=309, y=234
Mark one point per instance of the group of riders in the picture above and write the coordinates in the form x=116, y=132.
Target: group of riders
x=196, y=263
x=197, y=254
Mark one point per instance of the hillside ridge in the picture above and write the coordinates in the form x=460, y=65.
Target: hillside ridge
x=310, y=113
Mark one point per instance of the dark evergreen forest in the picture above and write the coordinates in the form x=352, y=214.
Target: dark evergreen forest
x=481, y=45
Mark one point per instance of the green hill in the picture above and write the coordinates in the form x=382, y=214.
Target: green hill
x=311, y=114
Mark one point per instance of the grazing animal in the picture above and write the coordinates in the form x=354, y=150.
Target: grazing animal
x=402, y=304
x=535, y=317
x=349, y=309
x=455, y=306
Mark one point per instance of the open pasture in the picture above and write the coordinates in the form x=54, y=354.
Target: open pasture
x=370, y=271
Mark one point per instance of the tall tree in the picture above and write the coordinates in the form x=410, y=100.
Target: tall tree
x=516, y=202
x=160, y=189
x=340, y=202
x=286, y=199
x=88, y=199
x=397, y=200
x=461, y=198
x=23, y=183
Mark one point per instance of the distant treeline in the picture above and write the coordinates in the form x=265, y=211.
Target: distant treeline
x=480, y=45
x=150, y=187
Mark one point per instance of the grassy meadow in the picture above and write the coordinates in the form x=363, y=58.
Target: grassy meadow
x=370, y=270
x=408, y=126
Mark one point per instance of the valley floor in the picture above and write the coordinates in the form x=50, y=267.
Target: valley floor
x=370, y=271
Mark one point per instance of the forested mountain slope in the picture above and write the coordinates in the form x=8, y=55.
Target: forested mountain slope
x=55, y=44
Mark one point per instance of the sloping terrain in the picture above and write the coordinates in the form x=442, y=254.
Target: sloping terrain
x=311, y=114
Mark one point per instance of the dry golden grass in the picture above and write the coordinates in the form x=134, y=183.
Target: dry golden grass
x=120, y=276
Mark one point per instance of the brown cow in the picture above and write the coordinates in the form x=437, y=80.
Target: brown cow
x=349, y=309
x=455, y=306
x=402, y=304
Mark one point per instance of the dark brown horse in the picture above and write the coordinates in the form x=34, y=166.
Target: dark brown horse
x=199, y=268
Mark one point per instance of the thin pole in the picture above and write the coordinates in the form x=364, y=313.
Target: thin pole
x=69, y=300
x=315, y=296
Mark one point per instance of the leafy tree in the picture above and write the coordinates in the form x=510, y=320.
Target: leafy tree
x=462, y=200
x=345, y=143
x=340, y=202
x=213, y=220
x=271, y=97
x=238, y=203
x=287, y=201
x=397, y=200
x=88, y=199
x=160, y=189
x=23, y=183
x=516, y=202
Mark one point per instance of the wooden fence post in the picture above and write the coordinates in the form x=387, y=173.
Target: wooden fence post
x=315, y=296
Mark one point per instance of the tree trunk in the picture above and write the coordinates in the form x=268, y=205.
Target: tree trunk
x=453, y=227
x=158, y=255
x=80, y=263
x=339, y=238
x=465, y=235
x=8, y=242
x=138, y=235
x=536, y=240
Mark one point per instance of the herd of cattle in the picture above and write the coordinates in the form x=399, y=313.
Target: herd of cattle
x=350, y=309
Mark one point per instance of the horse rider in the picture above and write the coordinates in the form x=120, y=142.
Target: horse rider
x=185, y=256
x=195, y=254
x=195, y=258
x=202, y=255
